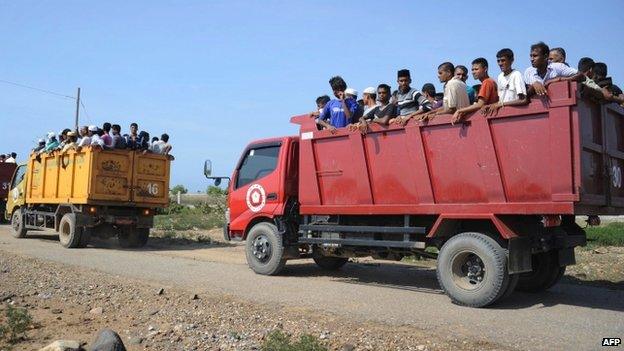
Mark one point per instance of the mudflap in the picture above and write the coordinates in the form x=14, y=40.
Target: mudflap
x=519, y=258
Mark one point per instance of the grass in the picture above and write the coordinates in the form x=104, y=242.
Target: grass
x=279, y=341
x=17, y=321
x=201, y=215
x=611, y=234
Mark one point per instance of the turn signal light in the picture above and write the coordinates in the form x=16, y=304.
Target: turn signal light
x=92, y=209
x=146, y=212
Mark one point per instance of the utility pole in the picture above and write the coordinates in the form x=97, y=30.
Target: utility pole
x=77, y=109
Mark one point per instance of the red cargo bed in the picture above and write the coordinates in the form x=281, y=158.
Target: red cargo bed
x=562, y=156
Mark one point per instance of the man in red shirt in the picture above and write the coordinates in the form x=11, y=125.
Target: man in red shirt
x=488, y=93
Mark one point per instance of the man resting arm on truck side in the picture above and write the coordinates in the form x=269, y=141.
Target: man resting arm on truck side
x=541, y=73
x=369, y=98
x=455, y=95
x=511, y=87
x=337, y=113
x=488, y=93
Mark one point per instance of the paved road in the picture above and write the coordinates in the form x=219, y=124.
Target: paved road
x=570, y=317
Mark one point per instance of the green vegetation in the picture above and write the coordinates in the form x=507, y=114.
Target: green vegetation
x=202, y=213
x=611, y=234
x=278, y=341
x=179, y=188
x=214, y=190
x=16, y=323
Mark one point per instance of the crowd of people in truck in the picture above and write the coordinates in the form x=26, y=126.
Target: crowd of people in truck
x=8, y=158
x=511, y=88
x=108, y=137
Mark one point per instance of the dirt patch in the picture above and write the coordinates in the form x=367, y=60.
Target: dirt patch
x=73, y=303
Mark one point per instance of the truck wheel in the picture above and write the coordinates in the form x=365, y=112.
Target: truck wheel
x=264, y=249
x=472, y=269
x=327, y=262
x=132, y=237
x=85, y=238
x=69, y=233
x=546, y=273
x=17, y=224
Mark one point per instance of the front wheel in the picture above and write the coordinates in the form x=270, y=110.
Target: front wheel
x=17, y=224
x=472, y=269
x=264, y=249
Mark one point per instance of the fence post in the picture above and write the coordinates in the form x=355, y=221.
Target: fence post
x=178, y=197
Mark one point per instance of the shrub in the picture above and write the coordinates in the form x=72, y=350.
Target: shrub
x=17, y=322
x=611, y=234
x=278, y=341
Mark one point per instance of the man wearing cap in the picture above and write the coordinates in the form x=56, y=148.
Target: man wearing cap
x=338, y=112
x=41, y=144
x=406, y=99
x=71, y=141
x=51, y=144
x=369, y=98
x=359, y=110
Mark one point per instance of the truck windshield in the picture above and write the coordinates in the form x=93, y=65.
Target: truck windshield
x=258, y=163
x=19, y=176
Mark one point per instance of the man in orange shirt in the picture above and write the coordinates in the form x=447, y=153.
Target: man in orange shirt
x=488, y=93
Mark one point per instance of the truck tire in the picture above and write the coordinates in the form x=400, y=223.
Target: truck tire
x=472, y=269
x=69, y=233
x=327, y=262
x=264, y=249
x=546, y=273
x=85, y=238
x=17, y=224
x=131, y=237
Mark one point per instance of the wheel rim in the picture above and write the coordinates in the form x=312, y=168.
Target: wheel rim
x=15, y=222
x=468, y=271
x=64, y=231
x=261, y=248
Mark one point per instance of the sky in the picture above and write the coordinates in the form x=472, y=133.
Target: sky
x=216, y=75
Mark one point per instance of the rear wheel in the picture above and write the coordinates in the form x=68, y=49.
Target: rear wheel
x=472, y=269
x=69, y=233
x=131, y=237
x=264, y=249
x=546, y=273
x=327, y=262
x=17, y=224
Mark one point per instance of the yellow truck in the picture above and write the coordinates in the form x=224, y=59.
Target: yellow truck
x=89, y=192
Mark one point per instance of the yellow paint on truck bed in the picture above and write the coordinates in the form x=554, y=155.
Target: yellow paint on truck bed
x=92, y=175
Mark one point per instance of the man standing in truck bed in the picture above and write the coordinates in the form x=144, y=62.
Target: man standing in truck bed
x=338, y=112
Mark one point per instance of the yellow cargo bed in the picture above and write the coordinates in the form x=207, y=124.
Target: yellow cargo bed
x=96, y=176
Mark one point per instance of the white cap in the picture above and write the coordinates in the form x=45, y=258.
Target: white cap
x=41, y=141
x=351, y=91
x=369, y=90
x=93, y=128
x=51, y=135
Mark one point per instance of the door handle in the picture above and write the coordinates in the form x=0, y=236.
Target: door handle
x=272, y=196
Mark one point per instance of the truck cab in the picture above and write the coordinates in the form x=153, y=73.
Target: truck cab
x=264, y=182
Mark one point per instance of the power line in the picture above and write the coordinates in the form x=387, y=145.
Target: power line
x=37, y=89
x=85, y=110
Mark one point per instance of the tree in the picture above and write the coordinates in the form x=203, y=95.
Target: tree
x=179, y=188
x=214, y=190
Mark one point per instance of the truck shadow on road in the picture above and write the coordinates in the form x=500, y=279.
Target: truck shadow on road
x=571, y=291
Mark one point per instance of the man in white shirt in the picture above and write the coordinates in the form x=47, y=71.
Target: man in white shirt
x=11, y=158
x=541, y=72
x=162, y=146
x=511, y=87
x=85, y=134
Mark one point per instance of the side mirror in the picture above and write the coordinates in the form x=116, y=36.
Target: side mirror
x=207, y=168
x=217, y=181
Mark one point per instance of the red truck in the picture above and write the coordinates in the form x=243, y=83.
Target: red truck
x=496, y=196
x=6, y=173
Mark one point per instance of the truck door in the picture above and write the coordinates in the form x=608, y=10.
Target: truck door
x=256, y=185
